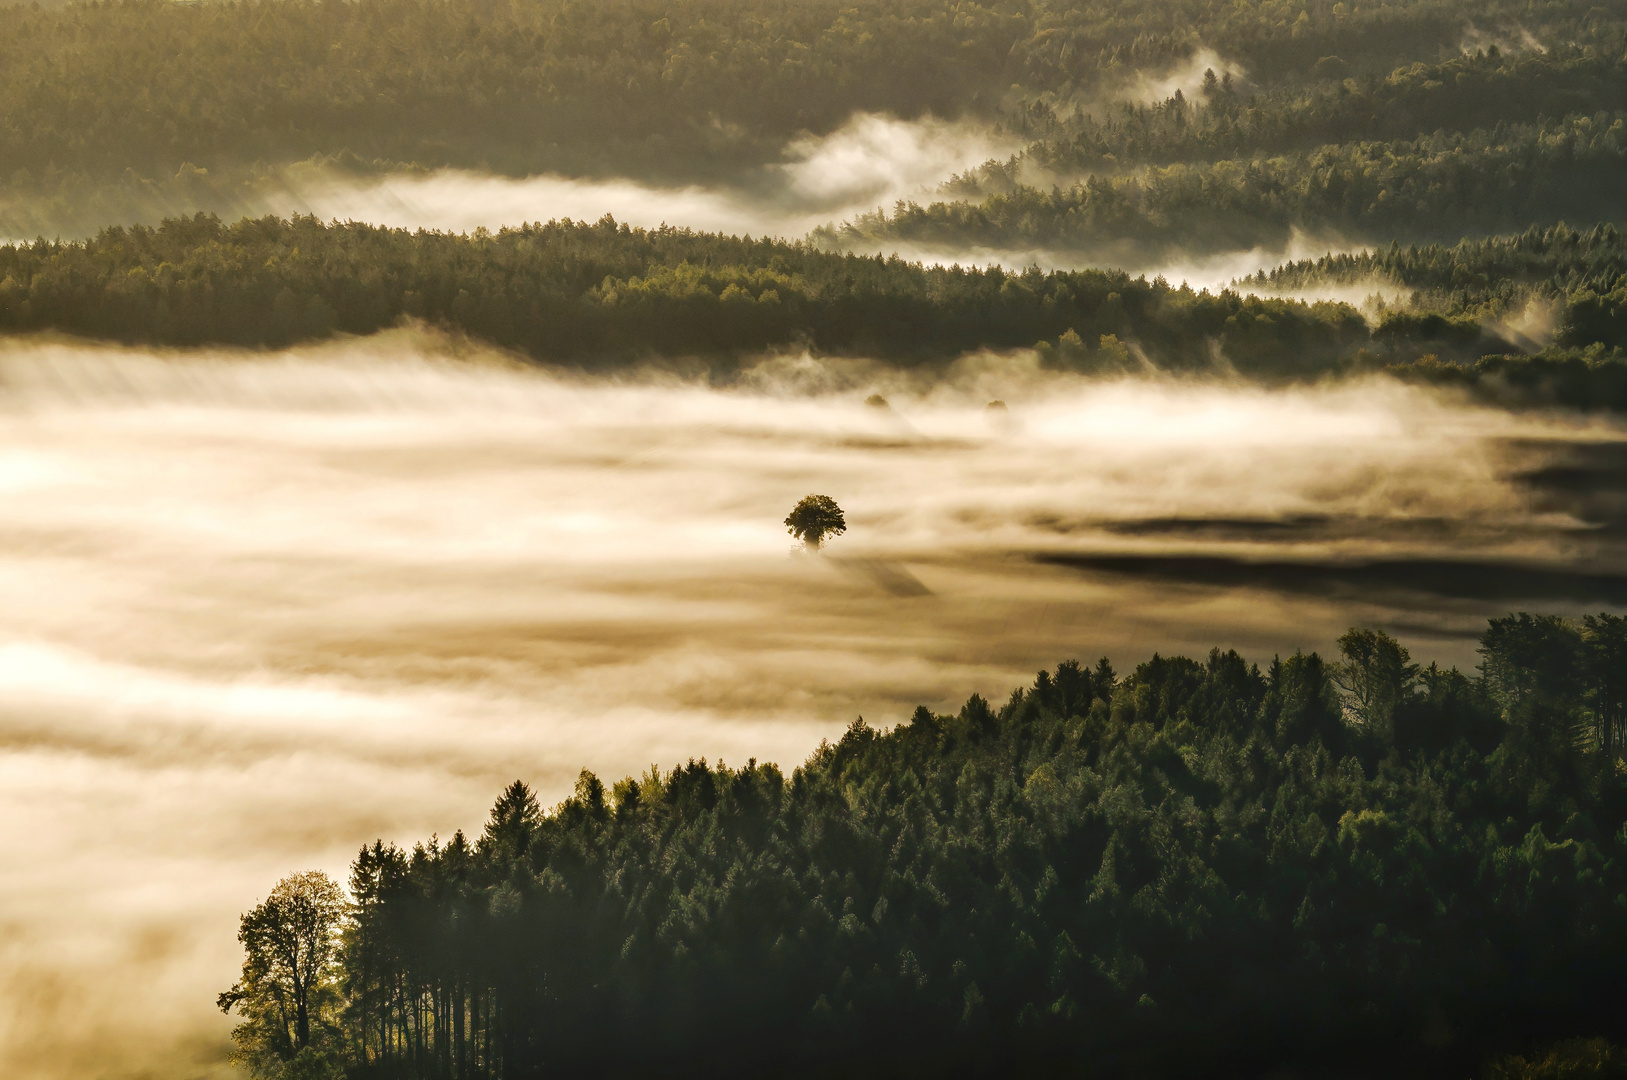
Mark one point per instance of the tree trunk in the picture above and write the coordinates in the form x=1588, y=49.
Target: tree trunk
x=457, y=1029
x=302, y=1019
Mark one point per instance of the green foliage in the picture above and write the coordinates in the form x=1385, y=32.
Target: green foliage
x=815, y=517
x=604, y=294
x=1431, y=187
x=1566, y=378
x=1417, y=119
x=1199, y=868
x=1391, y=147
x=519, y=87
x=1582, y=273
x=1464, y=92
x=1573, y=1059
x=286, y=996
x=698, y=84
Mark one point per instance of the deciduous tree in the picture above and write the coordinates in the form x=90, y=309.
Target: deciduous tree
x=290, y=941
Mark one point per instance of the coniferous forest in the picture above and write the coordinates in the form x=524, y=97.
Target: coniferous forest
x=604, y=297
x=1195, y=868
x=1474, y=151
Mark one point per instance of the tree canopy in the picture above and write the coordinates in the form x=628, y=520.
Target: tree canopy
x=1197, y=867
x=286, y=996
x=602, y=296
x=1411, y=119
x=814, y=518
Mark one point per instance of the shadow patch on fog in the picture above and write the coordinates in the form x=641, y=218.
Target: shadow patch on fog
x=1585, y=480
x=1243, y=528
x=1303, y=528
x=1452, y=579
x=891, y=577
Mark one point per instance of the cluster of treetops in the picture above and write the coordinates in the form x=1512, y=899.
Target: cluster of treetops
x=1429, y=188
x=1196, y=868
x=1411, y=120
x=1472, y=144
x=603, y=296
x=116, y=84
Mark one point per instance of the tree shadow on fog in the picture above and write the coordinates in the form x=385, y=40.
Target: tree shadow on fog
x=1587, y=481
x=891, y=577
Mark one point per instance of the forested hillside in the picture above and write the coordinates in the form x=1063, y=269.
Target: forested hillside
x=604, y=296
x=1467, y=142
x=1194, y=869
x=1438, y=187
x=147, y=85
x=1496, y=275
x=1423, y=119
x=1337, y=103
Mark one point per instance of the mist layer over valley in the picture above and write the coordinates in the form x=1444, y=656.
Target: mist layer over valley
x=870, y=160
x=252, y=599
x=869, y=164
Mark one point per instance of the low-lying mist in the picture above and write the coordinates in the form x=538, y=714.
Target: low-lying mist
x=869, y=163
x=872, y=160
x=260, y=609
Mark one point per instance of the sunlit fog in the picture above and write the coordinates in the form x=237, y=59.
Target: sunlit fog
x=1185, y=77
x=260, y=609
x=866, y=164
x=870, y=161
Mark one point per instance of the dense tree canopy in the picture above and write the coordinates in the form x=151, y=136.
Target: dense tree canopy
x=147, y=85
x=814, y=518
x=1198, y=867
x=285, y=997
x=1484, y=89
x=1493, y=276
x=604, y=295
x=1413, y=119
x=1435, y=187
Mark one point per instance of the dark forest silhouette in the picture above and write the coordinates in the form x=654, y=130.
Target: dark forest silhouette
x=1199, y=868
x=603, y=296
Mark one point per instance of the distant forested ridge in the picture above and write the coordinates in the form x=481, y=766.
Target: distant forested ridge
x=1337, y=103
x=1199, y=868
x=1435, y=187
x=528, y=84
x=1477, y=141
x=1413, y=119
x=1492, y=275
x=602, y=295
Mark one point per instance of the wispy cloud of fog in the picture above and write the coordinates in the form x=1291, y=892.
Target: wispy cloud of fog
x=1152, y=87
x=1511, y=41
x=1216, y=271
x=455, y=200
x=1532, y=326
x=870, y=161
x=877, y=159
x=1224, y=270
x=257, y=610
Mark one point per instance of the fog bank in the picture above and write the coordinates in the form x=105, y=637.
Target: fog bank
x=869, y=163
x=258, y=610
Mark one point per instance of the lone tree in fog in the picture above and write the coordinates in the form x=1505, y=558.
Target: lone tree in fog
x=814, y=518
x=291, y=942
